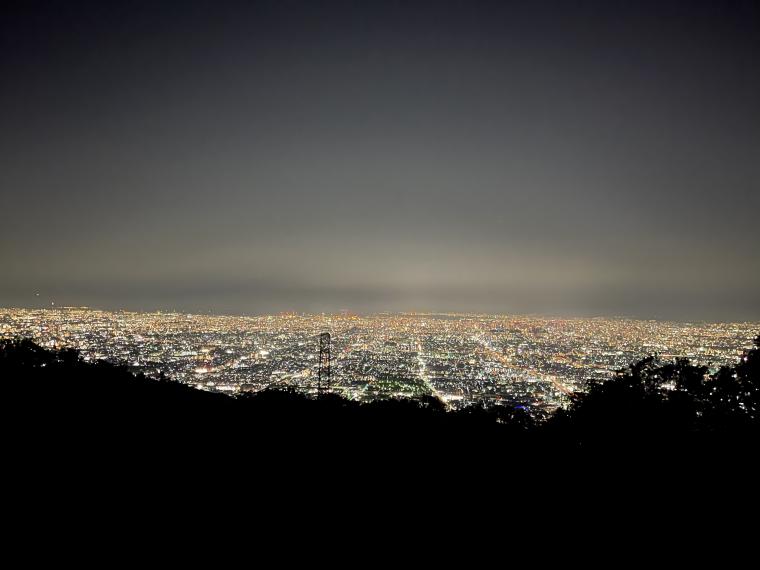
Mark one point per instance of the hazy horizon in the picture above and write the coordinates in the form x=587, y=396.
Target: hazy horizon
x=347, y=313
x=563, y=158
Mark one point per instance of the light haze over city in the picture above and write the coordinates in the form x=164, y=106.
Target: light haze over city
x=500, y=157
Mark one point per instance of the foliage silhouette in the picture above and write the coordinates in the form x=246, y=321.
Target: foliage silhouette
x=663, y=405
x=68, y=406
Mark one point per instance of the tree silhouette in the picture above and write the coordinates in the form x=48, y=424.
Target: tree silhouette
x=663, y=404
x=652, y=405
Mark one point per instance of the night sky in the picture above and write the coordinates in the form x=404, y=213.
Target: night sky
x=565, y=158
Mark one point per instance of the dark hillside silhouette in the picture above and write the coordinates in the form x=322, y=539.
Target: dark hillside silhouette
x=666, y=405
x=57, y=404
x=55, y=401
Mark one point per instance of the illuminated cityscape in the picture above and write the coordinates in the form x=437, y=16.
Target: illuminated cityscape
x=460, y=359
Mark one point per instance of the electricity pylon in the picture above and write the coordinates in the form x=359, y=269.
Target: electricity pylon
x=323, y=379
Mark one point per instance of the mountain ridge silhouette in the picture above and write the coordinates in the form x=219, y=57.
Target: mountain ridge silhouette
x=651, y=404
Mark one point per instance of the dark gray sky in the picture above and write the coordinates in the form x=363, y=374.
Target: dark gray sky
x=574, y=157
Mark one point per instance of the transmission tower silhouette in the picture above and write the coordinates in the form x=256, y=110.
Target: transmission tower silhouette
x=323, y=378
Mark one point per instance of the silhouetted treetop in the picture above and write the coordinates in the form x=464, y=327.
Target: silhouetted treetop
x=651, y=404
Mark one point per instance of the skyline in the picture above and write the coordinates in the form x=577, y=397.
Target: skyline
x=460, y=360
x=584, y=158
x=347, y=313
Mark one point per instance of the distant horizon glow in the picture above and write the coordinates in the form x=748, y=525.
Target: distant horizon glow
x=584, y=158
x=347, y=313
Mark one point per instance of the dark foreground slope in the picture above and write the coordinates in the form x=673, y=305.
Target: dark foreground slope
x=57, y=403
x=64, y=411
x=96, y=457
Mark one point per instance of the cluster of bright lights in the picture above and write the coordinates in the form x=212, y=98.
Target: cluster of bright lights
x=458, y=358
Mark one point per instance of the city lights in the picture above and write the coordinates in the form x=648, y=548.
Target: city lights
x=460, y=359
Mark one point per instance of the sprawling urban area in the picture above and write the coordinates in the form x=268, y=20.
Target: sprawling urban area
x=461, y=359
